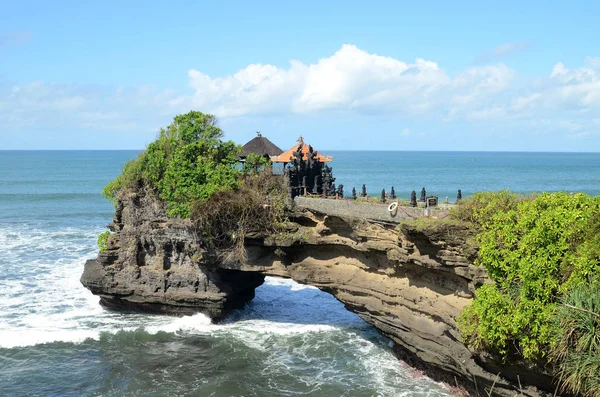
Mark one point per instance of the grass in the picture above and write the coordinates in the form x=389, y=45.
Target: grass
x=577, y=346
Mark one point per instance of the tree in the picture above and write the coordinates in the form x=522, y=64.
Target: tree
x=187, y=162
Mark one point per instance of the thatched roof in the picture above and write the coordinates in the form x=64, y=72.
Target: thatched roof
x=289, y=154
x=261, y=146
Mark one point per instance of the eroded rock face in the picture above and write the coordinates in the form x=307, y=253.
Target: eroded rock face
x=157, y=264
x=409, y=281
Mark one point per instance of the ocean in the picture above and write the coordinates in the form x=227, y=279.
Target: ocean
x=291, y=340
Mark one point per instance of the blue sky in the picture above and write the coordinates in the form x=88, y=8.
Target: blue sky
x=465, y=75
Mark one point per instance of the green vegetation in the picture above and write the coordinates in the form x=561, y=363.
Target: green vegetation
x=187, y=162
x=255, y=164
x=540, y=251
x=482, y=206
x=257, y=205
x=102, y=238
x=577, y=344
x=197, y=176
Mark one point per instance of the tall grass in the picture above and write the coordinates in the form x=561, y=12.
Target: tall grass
x=577, y=347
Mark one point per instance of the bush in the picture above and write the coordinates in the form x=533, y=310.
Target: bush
x=535, y=252
x=255, y=164
x=187, y=162
x=482, y=206
x=256, y=205
x=102, y=238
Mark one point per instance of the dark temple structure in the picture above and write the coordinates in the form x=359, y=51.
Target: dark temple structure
x=307, y=171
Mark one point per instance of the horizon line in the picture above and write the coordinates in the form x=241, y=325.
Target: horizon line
x=326, y=150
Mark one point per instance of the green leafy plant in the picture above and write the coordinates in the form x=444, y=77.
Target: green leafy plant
x=482, y=206
x=197, y=175
x=187, y=162
x=255, y=164
x=535, y=251
x=102, y=238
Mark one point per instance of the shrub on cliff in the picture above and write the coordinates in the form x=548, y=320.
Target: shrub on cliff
x=187, y=162
x=256, y=205
x=536, y=252
x=479, y=208
x=197, y=175
x=102, y=239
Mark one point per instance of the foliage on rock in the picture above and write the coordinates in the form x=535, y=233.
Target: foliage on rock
x=256, y=205
x=479, y=208
x=102, y=239
x=536, y=250
x=187, y=162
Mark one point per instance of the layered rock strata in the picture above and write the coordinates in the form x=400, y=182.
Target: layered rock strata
x=410, y=281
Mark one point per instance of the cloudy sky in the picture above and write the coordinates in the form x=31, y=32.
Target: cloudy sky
x=387, y=75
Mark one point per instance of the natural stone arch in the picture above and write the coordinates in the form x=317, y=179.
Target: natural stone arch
x=408, y=281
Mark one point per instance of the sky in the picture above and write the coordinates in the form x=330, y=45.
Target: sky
x=345, y=75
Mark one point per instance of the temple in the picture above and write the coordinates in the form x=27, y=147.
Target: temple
x=304, y=168
x=307, y=171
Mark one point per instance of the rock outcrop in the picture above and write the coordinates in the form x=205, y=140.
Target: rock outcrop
x=410, y=281
x=156, y=264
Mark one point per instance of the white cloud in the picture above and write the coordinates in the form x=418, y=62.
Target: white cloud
x=565, y=90
x=254, y=89
x=354, y=79
x=504, y=50
x=350, y=81
x=593, y=62
x=38, y=104
x=523, y=102
x=479, y=83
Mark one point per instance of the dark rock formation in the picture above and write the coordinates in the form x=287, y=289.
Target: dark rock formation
x=157, y=264
x=410, y=281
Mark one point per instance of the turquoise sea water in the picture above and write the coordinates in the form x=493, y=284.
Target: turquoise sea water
x=443, y=173
x=292, y=340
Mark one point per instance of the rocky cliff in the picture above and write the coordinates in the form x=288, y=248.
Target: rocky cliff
x=409, y=280
x=157, y=264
